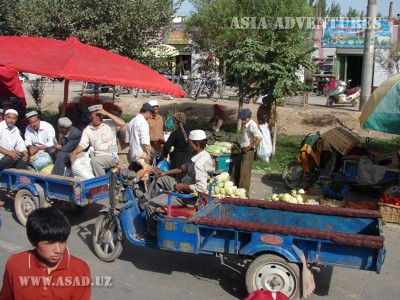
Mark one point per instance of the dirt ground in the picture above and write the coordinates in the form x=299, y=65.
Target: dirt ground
x=292, y=120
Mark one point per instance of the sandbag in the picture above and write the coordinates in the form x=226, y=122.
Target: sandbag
x=82, y=169
x=42, y=162
x=264, y=149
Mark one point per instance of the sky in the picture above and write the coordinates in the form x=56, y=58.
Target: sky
x=383, y=6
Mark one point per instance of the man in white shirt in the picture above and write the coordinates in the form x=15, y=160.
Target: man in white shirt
x=139, y=135
x=13, y=153
x=101, y=137
x=195, y=172
x=39, y=135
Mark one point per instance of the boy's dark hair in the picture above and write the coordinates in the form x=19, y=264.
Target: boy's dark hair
x=47, y=224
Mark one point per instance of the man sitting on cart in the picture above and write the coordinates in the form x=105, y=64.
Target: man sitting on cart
x=101, y=137
x=13, y=153
x=194, y=181
x=40, y=136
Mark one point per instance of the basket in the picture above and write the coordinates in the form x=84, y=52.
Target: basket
x=390, y=213
x=341, y=139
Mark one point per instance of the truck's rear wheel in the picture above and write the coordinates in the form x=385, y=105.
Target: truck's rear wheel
x=294, y=178
x=24, y=204
x=273, y=273
x=106, y=243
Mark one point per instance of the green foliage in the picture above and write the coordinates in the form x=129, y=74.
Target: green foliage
x=127, y=27
x=288, y=146
x=263, y=57
x=36, y=90
x=335, y=11
x=352, y=13
x=272, y=67
x=320, y=8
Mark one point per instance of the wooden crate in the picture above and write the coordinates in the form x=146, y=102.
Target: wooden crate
x=341, y=139
x=390, y=213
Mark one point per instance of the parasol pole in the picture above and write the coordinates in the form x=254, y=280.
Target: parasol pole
x=65, y=102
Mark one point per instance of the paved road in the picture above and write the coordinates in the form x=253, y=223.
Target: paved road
x=154, y=274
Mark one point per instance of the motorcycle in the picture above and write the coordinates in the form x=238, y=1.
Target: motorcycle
x=203, y=85
x=186, y=85
x=342, y=94
x=344, y=172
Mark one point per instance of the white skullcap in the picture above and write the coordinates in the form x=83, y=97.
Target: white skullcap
x=153, y=102
x=13, y=111
x=197, y=135
x=96, y=107
x=31, y=114
x=64, y=122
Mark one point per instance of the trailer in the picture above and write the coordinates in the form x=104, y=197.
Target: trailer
x=31, y=190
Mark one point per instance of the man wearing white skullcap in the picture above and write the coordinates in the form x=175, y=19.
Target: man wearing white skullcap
x=156, y=127
x=13, y=153
x=70, y=138
x=40, y=136
x=196, y=173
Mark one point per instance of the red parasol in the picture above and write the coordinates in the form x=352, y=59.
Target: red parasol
x=72, y=60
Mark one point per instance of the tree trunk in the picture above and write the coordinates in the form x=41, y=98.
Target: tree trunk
x=241, y=98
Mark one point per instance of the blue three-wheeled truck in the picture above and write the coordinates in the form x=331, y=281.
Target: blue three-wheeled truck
x=278, y=242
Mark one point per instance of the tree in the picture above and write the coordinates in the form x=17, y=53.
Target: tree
x=320, y=8
x=335, y=10
x=352, y=13
x=127, y=27
x=264, y=51
x=389, y=59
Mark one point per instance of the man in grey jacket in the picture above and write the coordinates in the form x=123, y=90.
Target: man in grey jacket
x=70, y=139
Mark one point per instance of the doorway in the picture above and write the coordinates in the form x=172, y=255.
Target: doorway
x=350, y=67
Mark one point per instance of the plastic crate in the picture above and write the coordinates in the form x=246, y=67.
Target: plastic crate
x=225, y=162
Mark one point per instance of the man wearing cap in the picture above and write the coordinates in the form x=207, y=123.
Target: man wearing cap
x=70, y=138
x=13, y=152
x=139, y=137
x=156, y=125
x=251, y=137
x=101, y=137
x=196, y=173
x=39, y=135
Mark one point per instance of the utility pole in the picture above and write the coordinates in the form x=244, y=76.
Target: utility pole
x=368, y=60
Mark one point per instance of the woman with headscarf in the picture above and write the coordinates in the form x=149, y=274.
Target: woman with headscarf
x=219, y=118
x=178, y=139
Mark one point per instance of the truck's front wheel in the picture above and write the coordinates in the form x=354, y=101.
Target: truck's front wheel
x=273, y=273
x=24, y=204
x=106, y=243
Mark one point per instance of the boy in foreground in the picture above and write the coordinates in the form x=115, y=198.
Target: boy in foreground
x=48, y=271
